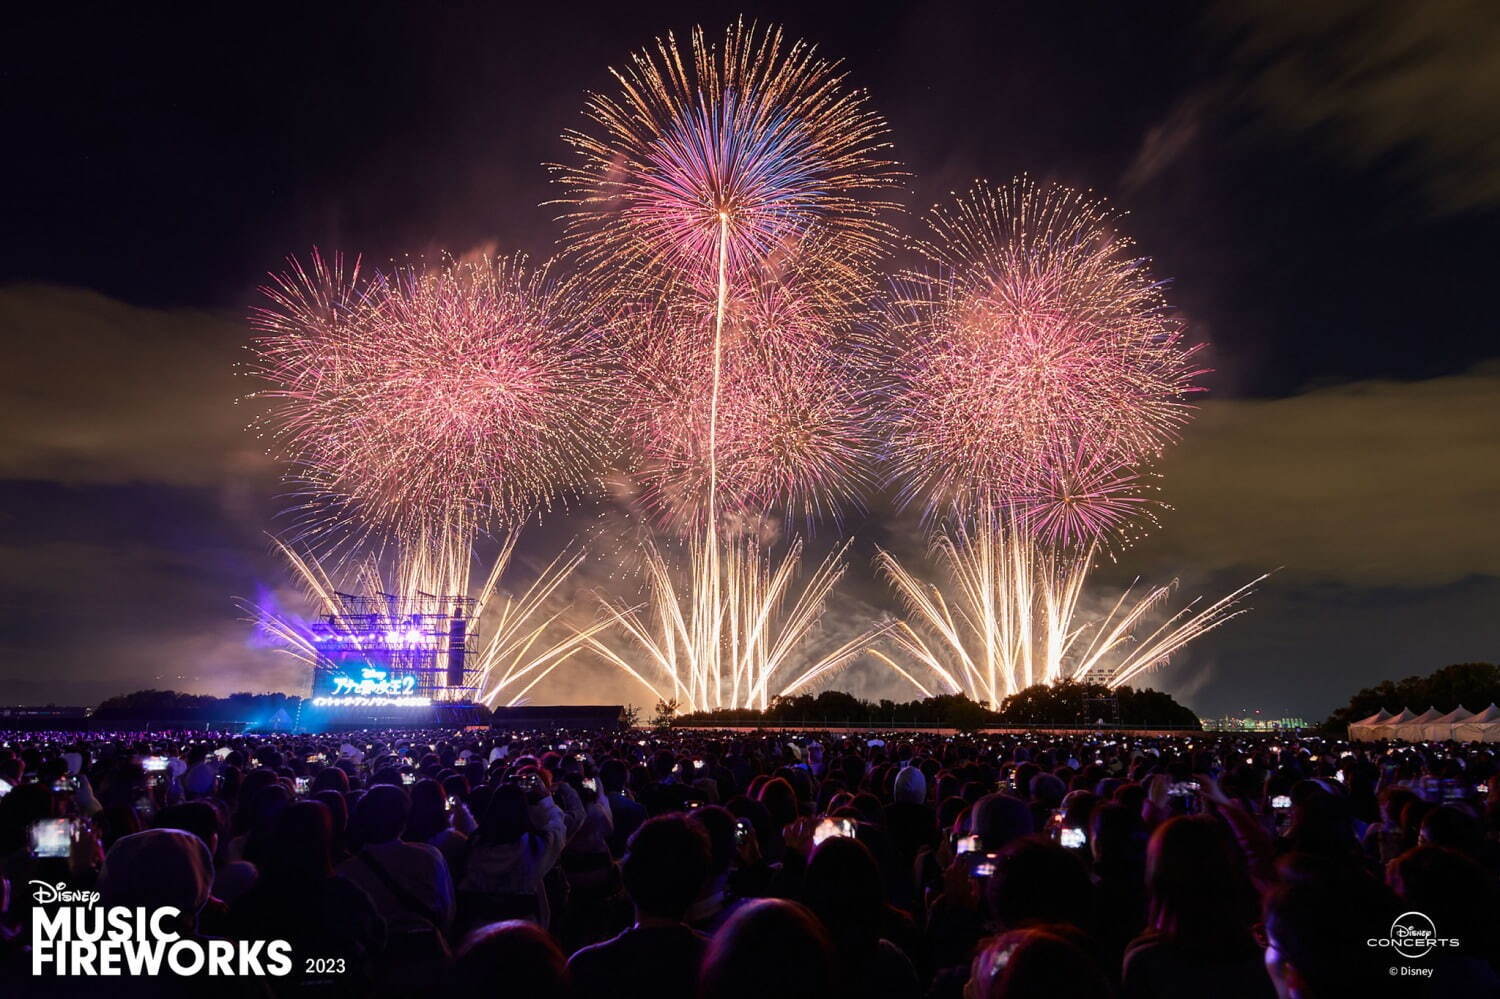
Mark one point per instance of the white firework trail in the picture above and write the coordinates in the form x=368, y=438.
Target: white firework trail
x=735, y=641
x=1012, y=617
x=526, y=637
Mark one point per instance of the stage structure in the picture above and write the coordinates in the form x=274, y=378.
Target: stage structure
x=383, y=651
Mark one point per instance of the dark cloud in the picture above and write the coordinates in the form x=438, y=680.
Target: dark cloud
x=93, y=616
x=1370, y=483
x=98, y=391
x=132, y=503
x=1408, y=87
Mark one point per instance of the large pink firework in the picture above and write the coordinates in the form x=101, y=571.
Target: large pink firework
x=1036, y=349
x=473, y=392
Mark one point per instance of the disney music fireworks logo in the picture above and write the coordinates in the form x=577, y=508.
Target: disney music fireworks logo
x=76, y=936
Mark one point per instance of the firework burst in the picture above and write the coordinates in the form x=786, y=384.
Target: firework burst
x=721, y=157
x=1036, y=336
x=1037, y=374
x=473, y=393
x=1011, y=615
x=744, y=177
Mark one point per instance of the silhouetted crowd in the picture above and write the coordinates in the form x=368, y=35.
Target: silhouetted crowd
x=680, y=864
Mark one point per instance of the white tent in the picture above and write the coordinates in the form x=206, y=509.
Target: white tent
x=1441, y=729
x=1360, y=731
x=1483, y=727
x=1415, y=729
x=1387, y=728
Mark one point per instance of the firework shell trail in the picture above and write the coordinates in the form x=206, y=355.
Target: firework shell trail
x=791, y=424
x=731, y=194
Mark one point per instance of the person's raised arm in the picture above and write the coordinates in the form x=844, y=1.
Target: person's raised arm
x=1256, y=844
x=463, y=819
x=571, y=804
x=1157, y=807
x=549, y=831
x=88, y=805
x=601, y=802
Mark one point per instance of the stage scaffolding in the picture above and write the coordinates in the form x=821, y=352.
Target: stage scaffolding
x=426, y=637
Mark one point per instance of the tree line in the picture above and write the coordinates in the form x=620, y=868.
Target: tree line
x=1062, y=703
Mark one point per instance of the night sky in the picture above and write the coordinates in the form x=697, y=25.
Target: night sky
x=1320, y=184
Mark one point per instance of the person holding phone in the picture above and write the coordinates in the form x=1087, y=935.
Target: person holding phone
x=520, y=838
x=436, y=812
x=671, y=785
x=732, y=851
x=593, y=879
x=1383, y=840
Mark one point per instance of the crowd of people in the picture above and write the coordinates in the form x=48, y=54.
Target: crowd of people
x=714, y=864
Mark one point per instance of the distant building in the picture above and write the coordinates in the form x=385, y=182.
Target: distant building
x=1234, y=724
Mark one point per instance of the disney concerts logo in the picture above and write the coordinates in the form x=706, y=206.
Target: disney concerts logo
x=1413, y=936
x=77, y=937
